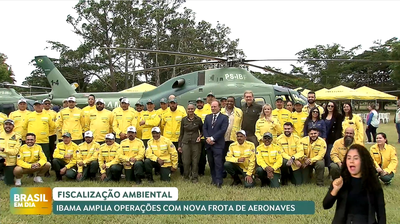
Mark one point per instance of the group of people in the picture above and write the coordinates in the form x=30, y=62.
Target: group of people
x=277, y=146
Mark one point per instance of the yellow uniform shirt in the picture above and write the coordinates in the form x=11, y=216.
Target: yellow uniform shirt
x=58, y=129
x=108, y=154
x=307, y=108
x=3, y=117
x=269, y=156
x=11, y=143
x=315, y=151
x=139, y=128
x=357, y=124
x=54, y=117
x=171, y=124
x=263, y=125
x=63, y=149
x=247, y=151
x=86, y=110
x=100, y=123
x=31, y=155
x=163, y=149
x=122, y=120
x=72, y=121
x=151, y=120
x=298, y=120
x=161, y=112
x=41, y=124
x=87, y=153
x=202, y=113
x=338, y=151
x=290, y=146
x=237, y=121
x=385, y=158
x=207, y=107
x=19, y=117
x=129, y=149
x=282, y=115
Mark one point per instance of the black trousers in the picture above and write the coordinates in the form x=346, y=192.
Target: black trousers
x=203, y=159
x=214, y=156
x=371, y=130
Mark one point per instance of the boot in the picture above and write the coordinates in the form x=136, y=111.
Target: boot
x=236, y=181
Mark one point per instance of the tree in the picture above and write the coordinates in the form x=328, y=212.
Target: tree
x=6, y=73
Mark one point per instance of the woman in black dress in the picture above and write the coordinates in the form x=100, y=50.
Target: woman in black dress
x=333, y=124
x=358, y=192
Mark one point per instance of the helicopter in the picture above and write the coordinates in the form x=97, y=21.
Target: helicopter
x=9, y=100
x=230, y=80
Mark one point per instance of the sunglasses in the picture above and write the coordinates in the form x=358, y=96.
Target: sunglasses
x=315, y=111
x=330, y=106
x=47, y=103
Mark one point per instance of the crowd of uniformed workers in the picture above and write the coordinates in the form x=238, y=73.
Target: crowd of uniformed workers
x=277, y=146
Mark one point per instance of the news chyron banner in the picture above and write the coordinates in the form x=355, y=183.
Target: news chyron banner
x=139, y=201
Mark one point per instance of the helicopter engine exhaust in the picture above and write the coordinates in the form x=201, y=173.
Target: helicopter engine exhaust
x=178, y=83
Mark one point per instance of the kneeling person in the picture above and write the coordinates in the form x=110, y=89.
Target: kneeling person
x=160, y=153
x=10, y=142
x=86, y=158
x=64, y=162
x=314, y=152
x=269, y=159
x=131, y=155
x=31, y=159
x=241, y=159
x=110, y=168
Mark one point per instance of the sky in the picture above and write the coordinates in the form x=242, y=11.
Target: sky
x=266, y=29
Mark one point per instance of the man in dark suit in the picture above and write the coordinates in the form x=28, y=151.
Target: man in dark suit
x=214, y=129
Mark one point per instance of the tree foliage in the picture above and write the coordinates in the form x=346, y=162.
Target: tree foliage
x=6, y=73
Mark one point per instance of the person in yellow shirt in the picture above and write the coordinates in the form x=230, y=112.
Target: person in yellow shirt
x=163, y=107
x=311, y=97
x=314, y=148
x=123, y=119
x=110, y=168
x=30, y=160
x=171, y=124
x=223, y=101
x=10, y=142
x=241, y=160
x=269, y=160
x=139, y=113
x=354, y=121
x=58, y=129
x=179, y=107
x=131, y=155
x=292, y=152
x=86, y=158
x=299, y=118
x=202, y=113
x=19, y=117
x=100, y=121
x=72, y=120
x=210, y=99
x=115, y=110
x=3, y=117
x=339, y=149
x=160, y=153
x=41, y=124
x=148, y=120
x=64, y=162
x=280, y=113
x=267, y=123
x=385, y=158
x=53, y=135
x=91, y=105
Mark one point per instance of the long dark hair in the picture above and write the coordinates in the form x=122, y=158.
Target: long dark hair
x=335, y=111
x=350, y=112
x=309, y=119
x=369, y=180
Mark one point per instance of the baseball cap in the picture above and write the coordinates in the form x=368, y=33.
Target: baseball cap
x=110, y=136
x=121, y=98
x=89, y=134
x=21, y=101
x=9, y=121
x=131, y=129
x=139, y=103
x=243, y=132
x=156, y=129
x=37, y=102
x=46, y=100
x=66, y=100
x=172, y=100
x=100, y=100
x=163, y=100
x=71, y=99
x=66, y=134
x=125, y=100
x=267, y=135
x=279, y=98
x=200, y=99
x=210, y=94
x=224, y=98
x=298, y=102
x=150, y=101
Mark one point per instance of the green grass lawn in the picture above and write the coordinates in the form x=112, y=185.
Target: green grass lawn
x=204, y=191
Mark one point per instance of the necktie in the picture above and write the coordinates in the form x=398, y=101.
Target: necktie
x=213, y=120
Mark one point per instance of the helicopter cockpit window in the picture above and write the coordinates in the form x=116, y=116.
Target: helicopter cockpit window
x=7, y=108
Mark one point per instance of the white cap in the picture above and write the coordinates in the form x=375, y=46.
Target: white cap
x=89, y=134
x=242, y=132
x=110, y=136
x=125, y=100
x=66, y=100
x=21, y=101
x=156, y=129
x=46, y=100
x=71, y=99
x=131, y=129
x=100, y=100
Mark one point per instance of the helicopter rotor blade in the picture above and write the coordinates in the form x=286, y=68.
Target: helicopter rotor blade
x=168, y=53
x=177, y=65
x=270, y=70
x=22, y=86
x=317, y=59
